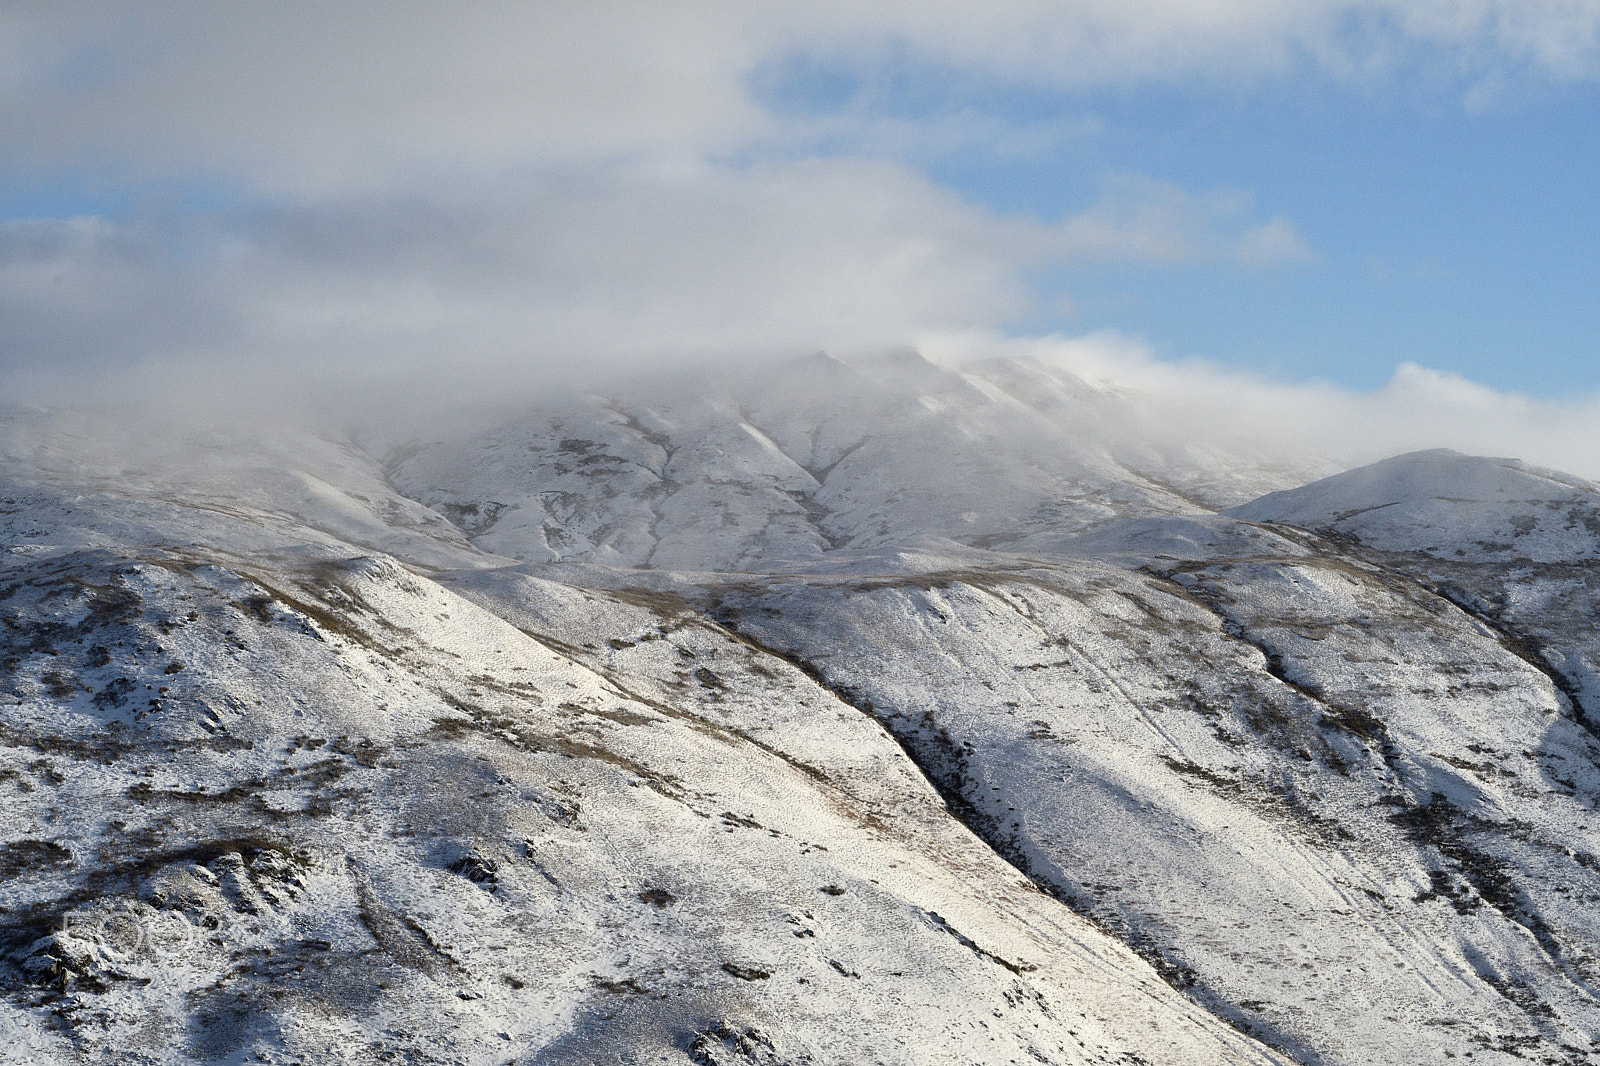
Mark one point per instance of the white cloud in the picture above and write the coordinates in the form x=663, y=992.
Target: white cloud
x=1120, y=41
x=1558, y=38
x=501, y=182
x=86, y=287
x=1195, y=403
x=1158, y=222
x=1273, y=242
x=315, y=96
x=575, y=264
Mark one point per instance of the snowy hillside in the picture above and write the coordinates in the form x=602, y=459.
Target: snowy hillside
x=872, y=712
x=1452, y=506
x=780, y=466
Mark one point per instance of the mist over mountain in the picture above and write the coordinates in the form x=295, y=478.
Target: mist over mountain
x=807, y=711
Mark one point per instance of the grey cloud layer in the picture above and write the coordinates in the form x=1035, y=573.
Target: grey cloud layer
x=521, y=184
x=584, y=261
x=315, y=96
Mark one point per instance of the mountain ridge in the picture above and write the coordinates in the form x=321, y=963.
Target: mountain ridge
x=981, y=746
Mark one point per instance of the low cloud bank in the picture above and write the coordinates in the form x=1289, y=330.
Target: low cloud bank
x=1202, y=404
x=1194, y=409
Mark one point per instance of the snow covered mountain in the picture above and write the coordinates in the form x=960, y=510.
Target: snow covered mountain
x=821, y=713
x=781, y=466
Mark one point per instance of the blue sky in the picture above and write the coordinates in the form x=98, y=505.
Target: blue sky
x=1321, y=191
x=1461, y=240
x=1460, y=237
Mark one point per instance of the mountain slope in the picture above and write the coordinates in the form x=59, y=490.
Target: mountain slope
x=1515, y=546
x=1327, y=803
x=869, y=712
x=272, y=797
x=780, y=466
x=1451, y=506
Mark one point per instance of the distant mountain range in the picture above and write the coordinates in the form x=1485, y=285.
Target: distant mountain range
x=820, y=712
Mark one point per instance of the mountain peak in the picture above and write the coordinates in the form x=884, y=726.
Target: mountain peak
x=1444, y=503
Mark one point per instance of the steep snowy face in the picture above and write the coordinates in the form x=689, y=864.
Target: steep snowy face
x=781, y=466
x=271, y=796
x=1516, y=546
x=128, y=479
x=1452, y=506
x=1326, y=802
